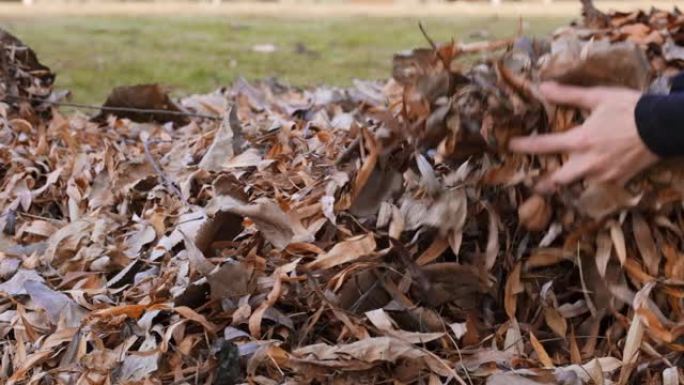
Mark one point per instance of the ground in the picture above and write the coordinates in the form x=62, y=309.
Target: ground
x=199, y=48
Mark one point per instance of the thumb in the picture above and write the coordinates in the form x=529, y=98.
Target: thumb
x=584, y=97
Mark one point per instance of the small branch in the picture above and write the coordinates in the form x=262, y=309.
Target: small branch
x=427, y=37
x=114, y=109
x=164, y=178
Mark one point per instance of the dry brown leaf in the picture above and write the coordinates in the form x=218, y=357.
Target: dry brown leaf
x=344, y=252
x=630, y=352
x=57, y=305
x=438, y=246
x=513, y=288
x=230, y=281
x=197, y=259
x=646, y=244
x=603, y=251
x=508, y=378
x=555, y=321
x=222, y=150
x=449, y=282
x=600, y=63
x=492, y=248
x=381, y=320
x=589, y=371
x=534, y=214
x=132, y=311
x=600, y=200
x=542, y=355
x=618, y=238
x=276, y=226
x=575, y=355
x=368, y=166
x=278, y=275
x=192, y=315
x=367, y=353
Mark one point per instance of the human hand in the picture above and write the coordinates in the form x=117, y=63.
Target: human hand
x=606, y=148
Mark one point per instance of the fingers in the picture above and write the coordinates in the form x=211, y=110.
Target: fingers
x=583, y=97
x=574, y=169
x=546, y=144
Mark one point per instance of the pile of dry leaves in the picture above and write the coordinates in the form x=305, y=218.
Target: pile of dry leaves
x=376, y=234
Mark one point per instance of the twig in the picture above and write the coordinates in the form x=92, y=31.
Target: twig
x=444, y=60
x=33, y=216
x=200, y=372
x=458, y=351
x=427, y=37
x=116, y=109
x=367, y=293
x=165, y=179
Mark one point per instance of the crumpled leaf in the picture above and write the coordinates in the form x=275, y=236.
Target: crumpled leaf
x=223, y=148
x=606, y=365
x=57, y=305
x=534, y=214
x=600, y=200
x=197, y=258
x=600, y=63
x=71, y=233
x=461, y=285
x=230, y=281
x=136, y=241
x=380, y=319
x=276, y=226
x=344, y=252
x=15, y=285
x=365, y=353
x=137, y=367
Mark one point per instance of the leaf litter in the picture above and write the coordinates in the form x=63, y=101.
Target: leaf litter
x=375, y=234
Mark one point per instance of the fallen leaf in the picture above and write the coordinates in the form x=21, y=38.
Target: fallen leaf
x=344, y=252
x=222, y=149
x=365, y=353
x=603, y=251
x=513, y=288
x=57, y=305
x=542, y=355
x=15, y=285
x=534, y=214
x=646, y=244
x=231, y=280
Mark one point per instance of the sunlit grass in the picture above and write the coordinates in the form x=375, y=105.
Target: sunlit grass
x=92, y=54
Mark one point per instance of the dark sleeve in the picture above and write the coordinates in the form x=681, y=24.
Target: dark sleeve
x=660, y=120
x=677, y=84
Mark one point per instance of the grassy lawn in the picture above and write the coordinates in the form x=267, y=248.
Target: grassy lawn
x=93, y=53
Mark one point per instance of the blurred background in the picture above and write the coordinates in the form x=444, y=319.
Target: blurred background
x=198, y=46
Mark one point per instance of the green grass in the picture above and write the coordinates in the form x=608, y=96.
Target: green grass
x=199, y=53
